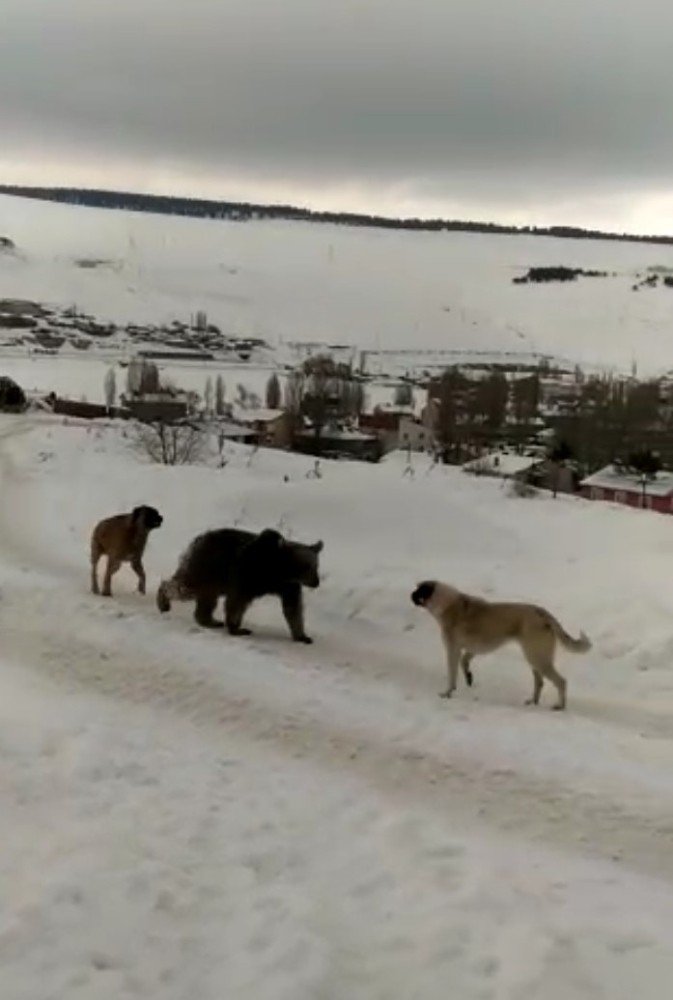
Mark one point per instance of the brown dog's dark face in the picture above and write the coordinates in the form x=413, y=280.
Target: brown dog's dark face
x=423, y=593
x=148, y=517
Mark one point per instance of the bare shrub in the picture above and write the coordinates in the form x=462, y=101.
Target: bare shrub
x=171, y=443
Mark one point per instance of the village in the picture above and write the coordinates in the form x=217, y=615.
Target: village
x=536, y=423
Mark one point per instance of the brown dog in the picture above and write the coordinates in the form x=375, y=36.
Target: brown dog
x=471, y=626
x=122, y=538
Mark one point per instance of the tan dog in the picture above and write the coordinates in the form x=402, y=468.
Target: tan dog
x=122, y=538
x=471, y=626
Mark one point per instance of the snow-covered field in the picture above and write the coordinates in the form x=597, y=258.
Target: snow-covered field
x=188, y=815
x=286, y=281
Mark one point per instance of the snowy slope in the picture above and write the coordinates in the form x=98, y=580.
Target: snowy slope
x=190, y=815
x=387, y=289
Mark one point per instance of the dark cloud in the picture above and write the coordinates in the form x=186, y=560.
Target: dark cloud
x=507, y=104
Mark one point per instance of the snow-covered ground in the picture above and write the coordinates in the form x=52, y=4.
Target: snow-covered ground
x=188, y=815
x=288, y=281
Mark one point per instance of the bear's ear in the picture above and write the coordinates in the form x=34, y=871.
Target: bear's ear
x=317, y=547
x=136, y=514
x=270, y=539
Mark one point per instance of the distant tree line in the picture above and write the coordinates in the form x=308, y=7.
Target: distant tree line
x=619, y=420
x=244, y=211
x=472, y=414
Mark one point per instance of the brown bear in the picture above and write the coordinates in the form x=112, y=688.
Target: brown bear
x=242, y=566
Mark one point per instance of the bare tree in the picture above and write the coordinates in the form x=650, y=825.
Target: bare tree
x=149, y=378
x=450, y=391
x=142, y=376
x=294, y=391
x=273, y=394
x=134, y=376
x=208, y=396
x=219, y=396
x=327, y=393
x=171, y=443
x=110, y=388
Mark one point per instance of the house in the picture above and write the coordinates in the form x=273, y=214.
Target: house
x=337, y=442
x=82, y=409
x=503, y=465
x=158, y=406
x=381, y=421
x=228, y=430
x=534, y=468
x=268, y=428
x=621, y=485
x=397, y=427
x=158, y=354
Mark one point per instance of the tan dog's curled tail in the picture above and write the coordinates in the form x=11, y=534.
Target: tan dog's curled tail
x=580, y=645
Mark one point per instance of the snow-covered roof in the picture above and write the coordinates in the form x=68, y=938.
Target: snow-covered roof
x=231, y=429
x=613, y=478
x=501, y=463
x=259, y=416
x=340, y=434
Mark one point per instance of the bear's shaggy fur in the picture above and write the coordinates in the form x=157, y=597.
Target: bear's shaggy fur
x=242, y=566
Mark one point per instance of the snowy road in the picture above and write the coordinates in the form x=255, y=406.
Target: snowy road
x=193, y=816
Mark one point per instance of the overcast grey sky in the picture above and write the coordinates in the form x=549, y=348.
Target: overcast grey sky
x=531, y=111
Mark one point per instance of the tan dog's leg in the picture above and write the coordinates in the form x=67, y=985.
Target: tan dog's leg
x=453, y=662
x=552, y=674
x=538, y=681
x=111, y=568
x=543, y=664
x=138, y=569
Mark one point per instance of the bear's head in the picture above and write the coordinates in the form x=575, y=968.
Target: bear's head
x=293, y=561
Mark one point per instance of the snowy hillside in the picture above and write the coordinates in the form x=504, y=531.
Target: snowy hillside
x=371, y=288
x=188, y=815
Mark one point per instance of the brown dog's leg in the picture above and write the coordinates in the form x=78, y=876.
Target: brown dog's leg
x=94, y=574
x=138, y=569
x=111, y=568
x=95, y=558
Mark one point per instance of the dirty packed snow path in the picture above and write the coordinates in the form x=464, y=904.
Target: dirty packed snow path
x=188, y=815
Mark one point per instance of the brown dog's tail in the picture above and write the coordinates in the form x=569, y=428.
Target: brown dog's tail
x=580, y=645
